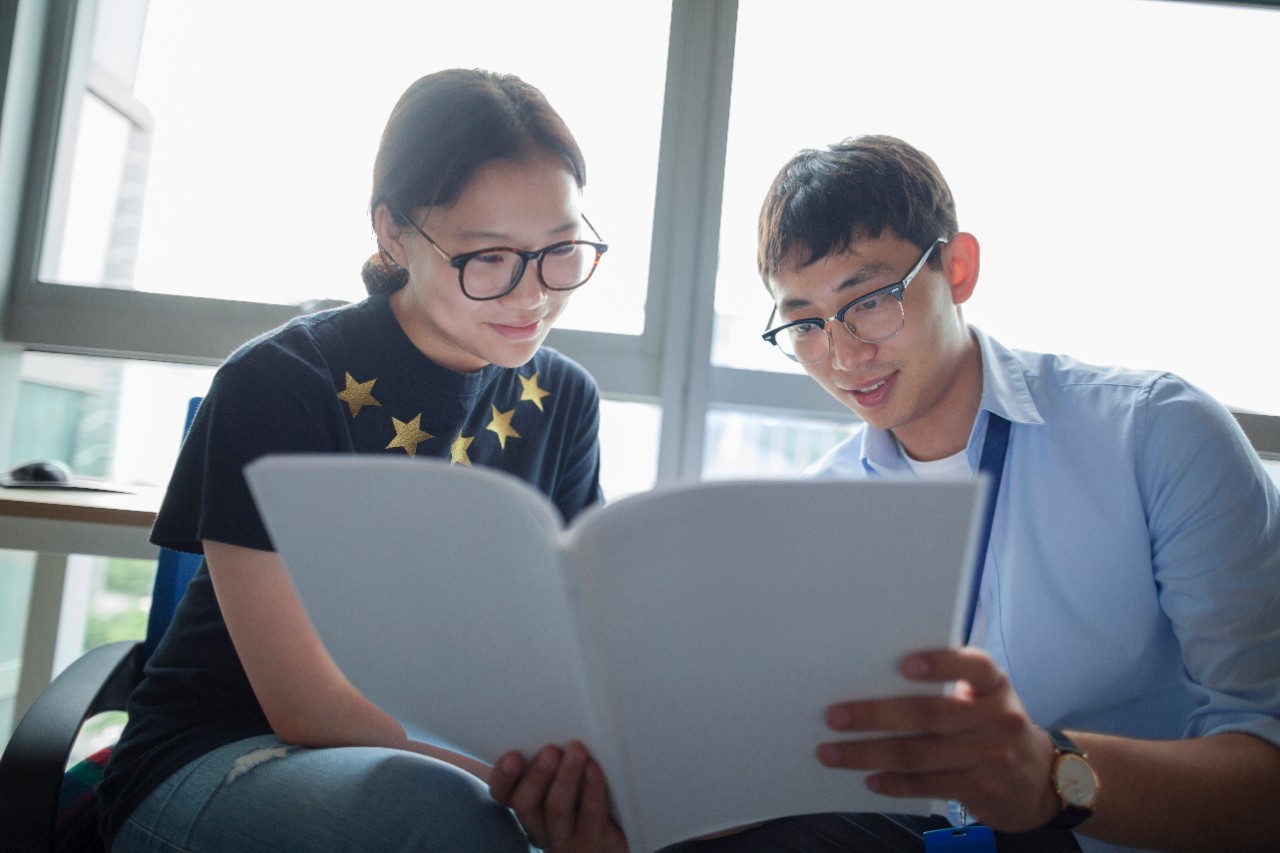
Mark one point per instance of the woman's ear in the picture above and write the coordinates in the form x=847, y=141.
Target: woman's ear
x=960, y=265
x=390, y=234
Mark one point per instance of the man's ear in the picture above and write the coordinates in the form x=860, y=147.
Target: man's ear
x=390, y=234
x=960, y=265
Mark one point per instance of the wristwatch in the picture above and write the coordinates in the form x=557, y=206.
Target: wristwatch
x=1074, y=781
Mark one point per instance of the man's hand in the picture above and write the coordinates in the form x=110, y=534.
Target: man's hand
x=560, y=799
x=976, y=746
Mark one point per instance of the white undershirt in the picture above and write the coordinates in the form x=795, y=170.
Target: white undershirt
x=955, y=465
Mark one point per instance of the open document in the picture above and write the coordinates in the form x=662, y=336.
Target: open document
x=691, y=636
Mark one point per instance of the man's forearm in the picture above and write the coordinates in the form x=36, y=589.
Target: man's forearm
x=1214, y=793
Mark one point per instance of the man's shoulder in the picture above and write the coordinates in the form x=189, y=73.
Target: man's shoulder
x=1066, y=382
x=1053, y=374
x=1070, y=393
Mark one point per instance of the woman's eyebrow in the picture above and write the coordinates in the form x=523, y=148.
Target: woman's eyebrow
x=498, y=236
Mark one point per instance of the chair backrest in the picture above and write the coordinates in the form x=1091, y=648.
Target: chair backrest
x=174, y=571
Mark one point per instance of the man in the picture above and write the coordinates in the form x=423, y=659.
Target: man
x=1129, y=597
x=1131, y=588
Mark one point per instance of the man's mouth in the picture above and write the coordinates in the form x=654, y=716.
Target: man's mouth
x=869, y=388
x=872, y=394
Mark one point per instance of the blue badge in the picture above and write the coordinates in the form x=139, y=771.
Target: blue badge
x=967, y=839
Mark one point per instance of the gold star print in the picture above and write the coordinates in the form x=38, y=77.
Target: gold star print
x=458, y=452
x=532, y=392
x=408, y=435
x=357, y=395
x=501, y=424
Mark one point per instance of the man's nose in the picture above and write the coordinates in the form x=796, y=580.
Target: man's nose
x=847, y=350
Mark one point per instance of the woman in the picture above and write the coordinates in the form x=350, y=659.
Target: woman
x=244, y=735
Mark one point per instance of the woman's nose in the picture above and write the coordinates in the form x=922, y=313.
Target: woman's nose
x=528, y=291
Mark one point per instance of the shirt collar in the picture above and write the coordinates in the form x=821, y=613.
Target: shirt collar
x=1004, y=383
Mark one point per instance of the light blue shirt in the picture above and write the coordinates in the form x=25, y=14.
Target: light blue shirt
x=1132, y=583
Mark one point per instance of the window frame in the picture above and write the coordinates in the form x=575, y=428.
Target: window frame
x=668, y=365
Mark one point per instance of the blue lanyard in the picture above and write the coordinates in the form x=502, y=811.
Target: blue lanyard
x=994, y=448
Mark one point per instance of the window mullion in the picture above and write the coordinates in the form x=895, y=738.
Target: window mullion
x=695, y=126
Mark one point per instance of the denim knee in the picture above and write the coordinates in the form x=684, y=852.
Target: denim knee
x=262, y=795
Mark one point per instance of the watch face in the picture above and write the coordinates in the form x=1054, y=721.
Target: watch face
x=1075, y=781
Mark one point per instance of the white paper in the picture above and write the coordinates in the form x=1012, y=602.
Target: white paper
x=693, y=641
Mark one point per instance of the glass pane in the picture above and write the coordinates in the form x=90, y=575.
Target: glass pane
x=113, y=419
x=746, y=444
x=251, y=140
x=1273, y=468
x=122, y=421
x=90, y=245
x=17, y=569
x=628, y=447
x=1113, y=173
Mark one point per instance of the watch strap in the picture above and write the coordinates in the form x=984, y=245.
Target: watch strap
x=1070, y=814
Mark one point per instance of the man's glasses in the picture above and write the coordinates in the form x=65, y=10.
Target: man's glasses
x=874, y=317
x=495, y=272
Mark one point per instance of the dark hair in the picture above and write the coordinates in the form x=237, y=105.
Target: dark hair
x=442, y=130
x=824, y=201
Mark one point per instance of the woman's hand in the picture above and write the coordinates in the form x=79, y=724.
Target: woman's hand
x=560, y=798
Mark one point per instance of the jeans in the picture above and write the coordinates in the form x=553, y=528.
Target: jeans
x=260, y=795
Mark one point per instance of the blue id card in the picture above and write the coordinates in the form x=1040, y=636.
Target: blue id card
x=968, y=839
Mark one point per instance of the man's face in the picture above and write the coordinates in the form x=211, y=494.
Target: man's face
x=920, y=383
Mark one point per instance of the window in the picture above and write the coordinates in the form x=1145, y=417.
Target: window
x=178, y=177
x=249, y=180
x=217, y=198
x=194, y=202
x=1114, y=159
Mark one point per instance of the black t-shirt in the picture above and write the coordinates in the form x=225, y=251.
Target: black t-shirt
x=341, y=381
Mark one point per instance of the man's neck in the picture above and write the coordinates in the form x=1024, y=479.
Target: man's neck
x=945, y=430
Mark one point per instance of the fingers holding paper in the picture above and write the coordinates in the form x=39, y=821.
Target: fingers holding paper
x=977, y=745
x=560, y=798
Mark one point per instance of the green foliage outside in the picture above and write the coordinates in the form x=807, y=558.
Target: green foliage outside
x=131, y=577
x=119, y=612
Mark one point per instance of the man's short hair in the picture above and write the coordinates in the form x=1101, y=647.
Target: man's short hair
x=822, y=202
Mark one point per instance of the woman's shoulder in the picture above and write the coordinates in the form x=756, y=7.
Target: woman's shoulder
x=308, y=340
x=552, y=363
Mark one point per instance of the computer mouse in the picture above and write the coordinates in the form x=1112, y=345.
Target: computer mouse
x=54, y=473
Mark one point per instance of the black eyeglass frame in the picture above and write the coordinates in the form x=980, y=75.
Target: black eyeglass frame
x=896, y=290
x=458, y=262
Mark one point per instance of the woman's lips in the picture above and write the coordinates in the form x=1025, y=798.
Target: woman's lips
x=518, y=332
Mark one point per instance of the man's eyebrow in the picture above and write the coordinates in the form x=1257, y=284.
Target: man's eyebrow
x=862, y=275
x=857, y=279
x=786, y=306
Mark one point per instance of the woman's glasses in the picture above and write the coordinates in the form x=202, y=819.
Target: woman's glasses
x=493, y=273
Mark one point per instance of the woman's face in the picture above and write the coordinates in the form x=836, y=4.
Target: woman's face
x=520, y=205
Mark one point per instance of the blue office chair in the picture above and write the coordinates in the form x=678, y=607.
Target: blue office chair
x=43, y=805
